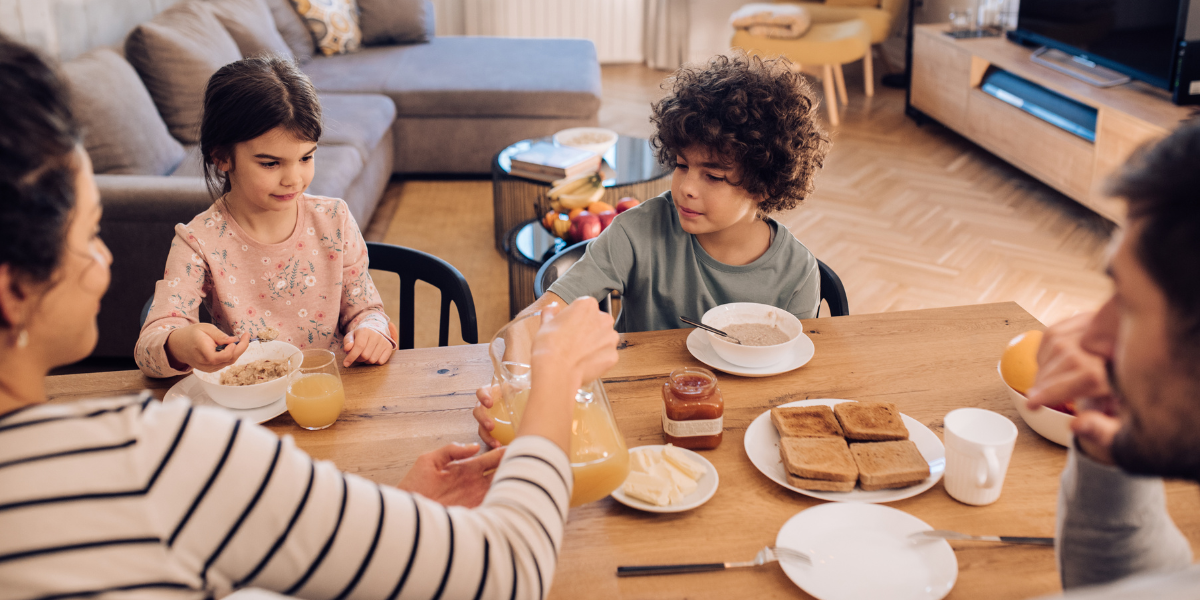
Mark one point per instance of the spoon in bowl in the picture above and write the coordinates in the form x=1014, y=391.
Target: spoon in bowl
x=712, y=329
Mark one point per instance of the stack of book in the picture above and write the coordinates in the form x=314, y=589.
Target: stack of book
x=545, y=161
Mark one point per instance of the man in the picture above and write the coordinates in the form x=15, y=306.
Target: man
x=1136, y=365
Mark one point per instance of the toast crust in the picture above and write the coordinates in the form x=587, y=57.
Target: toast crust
x=821, y=485
x=871, y=421
x=805, y=421
x=818, y=458
x=887, y=465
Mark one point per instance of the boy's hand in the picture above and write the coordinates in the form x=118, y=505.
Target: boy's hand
x=453, y=475
x=366, y=345
x=486, y=425
x=196, y=346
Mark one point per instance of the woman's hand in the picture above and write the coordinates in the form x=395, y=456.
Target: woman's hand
x=574, y=345
x=196, y=346
x=453, y=475
x=366, y=345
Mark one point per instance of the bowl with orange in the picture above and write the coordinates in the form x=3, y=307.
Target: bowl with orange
x=1018, y=370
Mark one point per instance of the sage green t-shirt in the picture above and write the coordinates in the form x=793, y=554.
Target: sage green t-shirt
x=663, y=273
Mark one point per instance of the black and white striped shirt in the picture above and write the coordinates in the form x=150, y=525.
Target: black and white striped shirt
x=133, y=498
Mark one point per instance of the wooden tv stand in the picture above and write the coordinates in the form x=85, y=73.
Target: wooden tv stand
x=946, y=75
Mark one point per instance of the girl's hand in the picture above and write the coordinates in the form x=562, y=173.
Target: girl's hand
x=196, y=346
x=366, y=345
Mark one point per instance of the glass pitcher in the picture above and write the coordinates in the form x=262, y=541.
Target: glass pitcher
x=599, y=456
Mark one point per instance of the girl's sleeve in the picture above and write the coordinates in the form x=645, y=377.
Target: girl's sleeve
x=270, y=517
x=361, y=305
x=177, y=300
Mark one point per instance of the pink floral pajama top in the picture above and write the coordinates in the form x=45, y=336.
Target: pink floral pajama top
x=313, y=288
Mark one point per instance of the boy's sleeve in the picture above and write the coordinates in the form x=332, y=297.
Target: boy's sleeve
x=806, y=299
x=361, y=305
x=605, y=267
x=177, y=300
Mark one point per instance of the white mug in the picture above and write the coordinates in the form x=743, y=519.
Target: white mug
x=979, y=444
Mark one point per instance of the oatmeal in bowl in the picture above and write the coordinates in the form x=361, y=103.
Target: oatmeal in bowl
x=258, y=378
x=768, y=334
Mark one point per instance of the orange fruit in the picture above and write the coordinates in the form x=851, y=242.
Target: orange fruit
x=598, y=207
x=575, y=212
x=1018, y=365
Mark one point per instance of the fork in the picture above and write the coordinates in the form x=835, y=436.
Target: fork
x=954, y=535
x=769, y=554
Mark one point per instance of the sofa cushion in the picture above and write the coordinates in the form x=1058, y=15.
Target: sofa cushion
x=175, y=53
x=121, y=128
x=336, y=168
x=395, y=21
x=291, y=28
x=250, y=24
x=332, y=23
x=356, y=120
x=472, y=77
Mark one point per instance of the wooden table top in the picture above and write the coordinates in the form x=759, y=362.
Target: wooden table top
x=927, y=362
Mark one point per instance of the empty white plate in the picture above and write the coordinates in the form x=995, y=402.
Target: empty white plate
x=191, y=389
x=863, y=551
x=802, y=352
x=706, y=486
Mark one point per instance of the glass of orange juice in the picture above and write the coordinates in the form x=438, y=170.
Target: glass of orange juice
x=599, y=456
x=314, y=392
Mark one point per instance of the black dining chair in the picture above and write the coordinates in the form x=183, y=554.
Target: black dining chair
x=558, y=264
x=833, y=292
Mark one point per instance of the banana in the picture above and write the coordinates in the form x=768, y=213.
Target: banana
x=581, y=199
x=574, y=186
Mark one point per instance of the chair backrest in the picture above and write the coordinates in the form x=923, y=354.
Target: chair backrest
x=412, y=265
x=558, y=264
x=833, y=292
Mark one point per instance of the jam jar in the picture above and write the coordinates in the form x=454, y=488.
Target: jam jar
x=693, y=409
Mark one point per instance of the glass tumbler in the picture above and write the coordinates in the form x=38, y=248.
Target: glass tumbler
x=314, y=393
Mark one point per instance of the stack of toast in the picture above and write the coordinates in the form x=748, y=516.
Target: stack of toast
x=832, y=449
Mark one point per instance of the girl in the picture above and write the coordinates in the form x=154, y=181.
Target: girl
x=265, y=256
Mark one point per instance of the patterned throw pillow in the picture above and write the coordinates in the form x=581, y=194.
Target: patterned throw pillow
x=332, y=23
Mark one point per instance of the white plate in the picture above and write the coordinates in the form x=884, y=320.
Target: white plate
x=802, y=352
x=191, y=389
x=706, y=486
x=762, y=446
x=863, y=551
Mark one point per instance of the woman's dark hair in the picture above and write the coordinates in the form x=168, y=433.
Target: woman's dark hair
x=755, y=114
x=248, y=98
x=38, y=137
x=1160, y=182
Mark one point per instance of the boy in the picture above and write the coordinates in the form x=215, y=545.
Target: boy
x=743, y=137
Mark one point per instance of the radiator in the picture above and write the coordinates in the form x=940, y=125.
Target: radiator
x=615, y=26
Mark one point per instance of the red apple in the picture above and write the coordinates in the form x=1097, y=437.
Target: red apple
x=606, y=218
x=585, y=227
x=626, y=204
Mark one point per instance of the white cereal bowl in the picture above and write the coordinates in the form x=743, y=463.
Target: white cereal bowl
x=749, y=312
x=243, y=397
x=596, y=139
x=1047, y=422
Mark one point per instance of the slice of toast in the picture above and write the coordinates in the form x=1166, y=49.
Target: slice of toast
x=871, y=421
x=886, y=465
x=805, y=421
x=818, y=458
x=820, y=485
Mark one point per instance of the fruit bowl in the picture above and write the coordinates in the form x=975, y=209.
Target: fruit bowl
x=1049, y=423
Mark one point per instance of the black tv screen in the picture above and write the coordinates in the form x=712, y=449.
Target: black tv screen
x=1135, y=37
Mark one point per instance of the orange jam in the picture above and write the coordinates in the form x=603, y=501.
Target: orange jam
x=693, y=409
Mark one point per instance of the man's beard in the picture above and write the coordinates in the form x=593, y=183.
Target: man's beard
x=1137, y=451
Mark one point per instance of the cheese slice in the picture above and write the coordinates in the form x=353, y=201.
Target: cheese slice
x=683, y=484
x=648, y=488
x=683, y=462
x=643, y=460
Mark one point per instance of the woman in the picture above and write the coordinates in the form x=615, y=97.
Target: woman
x=133, y=497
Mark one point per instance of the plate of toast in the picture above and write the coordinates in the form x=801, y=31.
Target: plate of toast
x=846, y=451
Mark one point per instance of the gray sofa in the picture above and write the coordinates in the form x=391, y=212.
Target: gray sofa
x=444, y=105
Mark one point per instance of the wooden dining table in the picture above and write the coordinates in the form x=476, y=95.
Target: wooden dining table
x=927, y=362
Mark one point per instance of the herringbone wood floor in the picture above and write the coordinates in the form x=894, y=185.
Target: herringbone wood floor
x=909, y=216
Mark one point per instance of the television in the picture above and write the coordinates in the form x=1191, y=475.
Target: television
x=1143, y=39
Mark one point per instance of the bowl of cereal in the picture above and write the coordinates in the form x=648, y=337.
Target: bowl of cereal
x=258, y=378
x=767, y=334
x=596, y=139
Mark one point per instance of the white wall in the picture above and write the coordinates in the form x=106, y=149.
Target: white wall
x=67, y=28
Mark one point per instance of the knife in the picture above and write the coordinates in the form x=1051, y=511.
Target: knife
x=954, y=535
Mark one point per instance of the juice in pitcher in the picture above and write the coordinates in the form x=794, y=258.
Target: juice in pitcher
x=599, y=456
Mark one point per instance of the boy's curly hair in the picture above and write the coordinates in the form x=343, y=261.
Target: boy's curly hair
x=756, y=114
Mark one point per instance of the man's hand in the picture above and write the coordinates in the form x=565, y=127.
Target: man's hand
x=366, y=345
x=196, y=346
x=453, y=475
x=486, y=425
x=1068, y=372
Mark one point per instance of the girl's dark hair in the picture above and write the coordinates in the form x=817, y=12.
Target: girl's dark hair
x=38, y=137
x=755, y=114
x=248, y=98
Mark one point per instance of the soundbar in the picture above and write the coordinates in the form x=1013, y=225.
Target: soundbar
x=1051, y=107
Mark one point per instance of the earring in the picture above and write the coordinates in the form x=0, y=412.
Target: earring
x=23, y=339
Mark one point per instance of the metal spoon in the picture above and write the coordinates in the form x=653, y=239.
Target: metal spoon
x=712, y=329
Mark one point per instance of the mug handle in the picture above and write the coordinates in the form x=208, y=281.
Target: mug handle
x=988, y=475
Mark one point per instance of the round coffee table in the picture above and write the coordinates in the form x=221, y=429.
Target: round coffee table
x=630, y=169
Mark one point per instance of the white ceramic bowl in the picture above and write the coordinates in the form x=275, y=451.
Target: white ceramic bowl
x=244, y=397
x=1047, y=422
x=596, y=139
x=750, y=312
